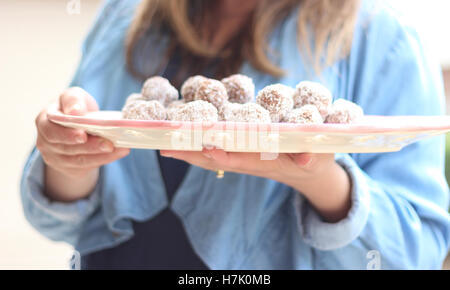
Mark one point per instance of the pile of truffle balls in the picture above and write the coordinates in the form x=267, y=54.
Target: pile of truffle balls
x=233, y=99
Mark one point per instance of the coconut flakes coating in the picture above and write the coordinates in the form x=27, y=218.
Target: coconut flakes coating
x=240, y=88
x=277, y=99
x=312, y=93
x=195, y=111
x=172, y=107
x=190, y=86
x=212, y=91
x=226, y=112
x=308, y=114
x=159, y=89
x=176, y=104
x=344, y=112
x=134, y=97
x=144, y=110
x=251, y=112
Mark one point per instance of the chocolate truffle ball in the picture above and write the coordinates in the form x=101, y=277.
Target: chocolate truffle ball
x=144, y=110
x=172, y=107
x=176, y=104
x=308, y=114
x=196, y=111
x=277, y=99
x=240, y=88
x=344, y=112
x=250, y=112
x=159, y=89
x=312, y=93
x=134, y=97
x=227, y=111
x=190, y=86
x=212, y=91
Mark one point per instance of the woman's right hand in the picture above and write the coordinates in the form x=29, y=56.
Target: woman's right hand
x=72, y=157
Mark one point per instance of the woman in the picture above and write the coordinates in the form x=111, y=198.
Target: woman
x=142, y=209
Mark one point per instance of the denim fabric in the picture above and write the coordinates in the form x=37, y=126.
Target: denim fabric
x=399, y=200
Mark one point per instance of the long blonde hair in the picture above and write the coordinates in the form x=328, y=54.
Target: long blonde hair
x=330, y=23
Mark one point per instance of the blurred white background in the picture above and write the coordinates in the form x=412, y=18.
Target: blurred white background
x=431, y=17
x=39, y=50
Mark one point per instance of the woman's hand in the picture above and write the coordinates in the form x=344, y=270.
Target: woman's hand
x=318, y=177
x=72, y=157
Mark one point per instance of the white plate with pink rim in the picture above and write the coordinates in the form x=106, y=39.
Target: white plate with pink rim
x=371, y=134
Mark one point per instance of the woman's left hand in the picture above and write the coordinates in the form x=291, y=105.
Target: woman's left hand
x=318, y=177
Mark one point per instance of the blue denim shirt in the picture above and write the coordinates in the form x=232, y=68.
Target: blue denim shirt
x=399, y=200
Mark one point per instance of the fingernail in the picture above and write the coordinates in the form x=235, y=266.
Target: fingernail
x=207, y=155
x=165, y=154
x=105, y=146
x=75, y=108
x=308, y=161
x=208, y=147
x=80, y=139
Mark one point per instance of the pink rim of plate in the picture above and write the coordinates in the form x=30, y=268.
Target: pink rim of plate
x=369, y=124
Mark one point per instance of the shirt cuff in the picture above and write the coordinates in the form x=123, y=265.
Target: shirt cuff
x=329, y=236
x=34, y=191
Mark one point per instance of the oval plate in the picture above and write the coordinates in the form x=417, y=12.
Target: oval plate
x=372, y=134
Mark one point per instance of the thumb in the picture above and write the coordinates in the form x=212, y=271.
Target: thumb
x=76, y=101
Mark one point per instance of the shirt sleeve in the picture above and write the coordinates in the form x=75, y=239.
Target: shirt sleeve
x=56, y=220
x=399, y=200
x=328, y=236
